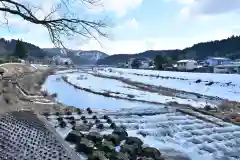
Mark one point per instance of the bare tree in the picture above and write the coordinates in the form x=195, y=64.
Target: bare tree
x=66, y=24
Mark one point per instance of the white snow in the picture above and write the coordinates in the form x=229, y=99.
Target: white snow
x=196, y=138
x=103, y=84
x=166, y=129
x=185, y=81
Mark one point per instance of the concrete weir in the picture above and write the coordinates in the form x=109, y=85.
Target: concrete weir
x=24, y=136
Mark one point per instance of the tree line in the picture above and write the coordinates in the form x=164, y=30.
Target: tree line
x=229, y=48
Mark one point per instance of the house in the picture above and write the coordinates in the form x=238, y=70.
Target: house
x=143, y=63
x=214, y=61
x=187, y=65
x=227, y=68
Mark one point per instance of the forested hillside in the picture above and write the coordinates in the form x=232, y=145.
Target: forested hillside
x=229, y=47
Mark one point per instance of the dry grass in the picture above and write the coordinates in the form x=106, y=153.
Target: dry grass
x=229, y=106
x=10, y=98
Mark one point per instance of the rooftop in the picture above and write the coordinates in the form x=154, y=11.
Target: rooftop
x=219, y=58
x=229, y=65
x=186, y=60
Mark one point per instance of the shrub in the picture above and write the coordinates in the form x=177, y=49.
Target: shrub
x=54, y=95
x=46, y=114
x=113, y=126
x=100, y=126
x=73, y=127
x=198, y=81
x=62, y=124
x=44, y=93
x=88, y=109
x=105, y=117
x=68, y=113
x=207, y=108
x=60, y=119
x=6, y=98
x=5, y=90
x=90, y=112
x=85, y=121
x=130, y=96
x=57, y=114
x=106, y=94
x=94, y=117
x=83, y=118
x=210, y=83
x=97, y=121
x=71, y=118
x=109, y=121
x=79, y=112
x=73, y=122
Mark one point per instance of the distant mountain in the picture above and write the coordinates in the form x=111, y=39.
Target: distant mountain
x=122, y=58
x=54, y=52
x=8, y=47
x=77, y=56
x=86, y=57
x=229, y=47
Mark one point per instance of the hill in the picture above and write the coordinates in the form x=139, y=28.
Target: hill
x=121, y=58
x=229, y=47
x=86, y=57
x=7, y=48
x=54, y=51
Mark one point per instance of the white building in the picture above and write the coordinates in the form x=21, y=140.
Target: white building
x=214, y=61
x=227, y=68
x=187, y=65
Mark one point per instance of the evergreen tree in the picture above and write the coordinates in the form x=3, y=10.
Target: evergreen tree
x=136, y=63
x=161, y=60
x=20, y=50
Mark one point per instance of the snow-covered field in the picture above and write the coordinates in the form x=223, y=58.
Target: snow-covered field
x=156, y=125
x=168, y=130
x=225, y=86
x=117, y=88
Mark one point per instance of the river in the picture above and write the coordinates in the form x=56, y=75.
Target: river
x=70, y=96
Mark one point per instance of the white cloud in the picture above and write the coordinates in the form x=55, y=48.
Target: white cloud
x=120, y=7
x=129, y=24
x=208, y=8
x=151, y=43
x=181, y=1
x=136, y=46
x=225, y=33
x=39, y=36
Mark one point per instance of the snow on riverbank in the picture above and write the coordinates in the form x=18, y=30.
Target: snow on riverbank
x=117, y=88
x=225, y=86
x=164, y=128
x=168, y=130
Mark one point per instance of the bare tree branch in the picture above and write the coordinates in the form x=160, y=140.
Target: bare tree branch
x=67, y=25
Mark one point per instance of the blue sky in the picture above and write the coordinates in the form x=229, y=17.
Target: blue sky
x=139, y=25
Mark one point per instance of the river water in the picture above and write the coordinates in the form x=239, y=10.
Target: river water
x=70, y=96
